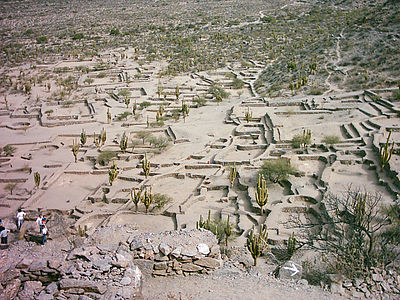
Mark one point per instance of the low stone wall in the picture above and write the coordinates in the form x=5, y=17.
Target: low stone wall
x=178, y=252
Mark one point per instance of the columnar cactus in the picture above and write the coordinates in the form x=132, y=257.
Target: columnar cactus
x=134, y=108
x=257, y=243
x=291, y=245
x=248, y=115
x=177, y=93
x=261, y=193
x=83, y=137
x=306, y=138
x=228, y=231
x=123, y=144
x=36, y=178
x=147, y=199
x=159, y=89
x=103, y=136
x=146, y=166
x=112, y=173
x=185, y=110
x=75, y=149
x=232, y=175
x=385, y=153
x=136, y=196
x=127, y=101
x=108, y=116
x=6, y=102
x=161, y=110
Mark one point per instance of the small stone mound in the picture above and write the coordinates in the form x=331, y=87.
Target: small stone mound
x=178, y=252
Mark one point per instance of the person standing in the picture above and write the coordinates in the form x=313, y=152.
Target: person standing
x=44, y=232
x=39, y=222
x=20, y=218
x=4, y=235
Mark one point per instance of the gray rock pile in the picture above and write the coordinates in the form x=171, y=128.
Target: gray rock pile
x=87, y=272
x=384, y=284
x=178, y=252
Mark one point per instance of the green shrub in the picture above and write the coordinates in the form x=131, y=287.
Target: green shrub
x=105, y=157
x=395, y=96
x=145, y=104
x=123, y=116
x=77, y=36
x=160, y=200
x=42, y=39
x=237, y=83
x=277, y=170
x=331, y=139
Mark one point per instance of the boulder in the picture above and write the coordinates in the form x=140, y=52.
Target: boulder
x=203, y=249
x=86, y=285
x=164, y=249
x=290, y=270
x=24, y=263
x=11, y=289
x=191, y=268
x=208, y=262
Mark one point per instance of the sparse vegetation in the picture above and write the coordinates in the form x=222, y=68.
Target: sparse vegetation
x=331, y=140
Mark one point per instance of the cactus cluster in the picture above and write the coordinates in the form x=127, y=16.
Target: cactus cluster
x=232, y=175
x=36, y=178
x=248, y=115
x=146, y=166
x=123, y=144
x=112, y=173
x=75, y=149
x=385, y=152
x=83, y=137
x=136, y=196
x=148, y=199
x=291, y=245
x=261, y=193
x=257, y=243
x=159, y=89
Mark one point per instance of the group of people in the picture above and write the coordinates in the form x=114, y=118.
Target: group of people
x=40, y=221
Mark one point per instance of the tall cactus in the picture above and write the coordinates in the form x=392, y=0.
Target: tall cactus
x=385, y=152
x=134, y=108
x=112, y=173
x=232, y=175
x=185, y=110
x=291, y=245
x=177, y=93
x=159, y=89
x=108, y=116
x=75, y=149
x=146, y=166
x=228, y=231
x=127, y=101
x=306, y=138
x=103, y=136
x=147, y=199
x=257, y=243
x=83, y=137
x=36, y=178
x=261, y=193
x=136, y=196
x=248, y=115
x=123, y=144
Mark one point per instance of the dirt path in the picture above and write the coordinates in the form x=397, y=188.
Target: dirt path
x=231, y=282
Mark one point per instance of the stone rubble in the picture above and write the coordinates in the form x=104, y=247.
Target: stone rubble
x=178, y=252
